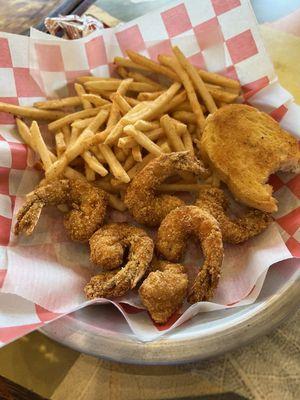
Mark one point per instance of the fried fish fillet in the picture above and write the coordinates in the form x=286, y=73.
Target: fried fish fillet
x=245, y=146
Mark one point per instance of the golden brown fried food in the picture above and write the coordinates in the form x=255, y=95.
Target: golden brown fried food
x=244, y=146
x=148, y=207
x=172, y=237
x=164, y=290
x=108, y=247
x=87, y=202
x=238, y=230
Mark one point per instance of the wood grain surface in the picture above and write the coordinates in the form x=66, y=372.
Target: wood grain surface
x=12, y=391
x=18, y=15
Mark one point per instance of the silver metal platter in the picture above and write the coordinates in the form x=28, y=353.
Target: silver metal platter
x=211, y=333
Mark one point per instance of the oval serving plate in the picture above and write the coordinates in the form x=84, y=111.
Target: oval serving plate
x=208, y=335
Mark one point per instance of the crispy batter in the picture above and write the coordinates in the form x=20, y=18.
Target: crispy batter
x=88, y=207
x=172, y=237
x=108, y=246
x=244, y=146
x=164, y=290
x=238, y=230
x=148, y=207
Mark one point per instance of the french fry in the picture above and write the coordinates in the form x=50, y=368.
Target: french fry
x=89, y=78
x=196, y=79
x=82, y=144
x=94, y=164
x=98, y=154
x=40, y=145
x=106, y=185
x=147, y=96
x=164, y=145
x=221, y=80
x=191, y=128
x=184, y=106
x=180, y=187
x=170, y=130
x=121, y=102
x=154, y=108
x=174, y=102
x=75, y=132
x=142, y=140
x=125, y=62
x=114, y=133
x=82, y=123
x=30, y=112
x=102, y=85
x=138, y=77
x=79, y=89
x=209, y=77
x=116, y=168
x=188, y=141
x=58, y=103
x=185, y=116
x=151, y=65
x=122, y=72
x=67, y=133
x=121, y=156
x=129, y=162
x=191, y=94
x=60, y=143
x=136, y=152
x=139, y=166
x=223, y=96
x=89, y=173
x=25, y=134
x=114, y=116
x=116, y=203
x=114, y=112
x=131, y=101
x=95, y=99
x=106, y=94
x=145, y=126
x=128, y=142
x=180, y=127
x=59, y=123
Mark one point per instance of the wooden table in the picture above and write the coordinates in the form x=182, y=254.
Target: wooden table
x=17, y=16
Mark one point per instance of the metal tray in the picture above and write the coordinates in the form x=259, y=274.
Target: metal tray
x=212, y=334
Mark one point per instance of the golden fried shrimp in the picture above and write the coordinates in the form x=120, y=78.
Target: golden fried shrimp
x=171, y=242
x=238, y=230
x=164, y=290
x=108, y=248
x=149, y=207
x=87, y=202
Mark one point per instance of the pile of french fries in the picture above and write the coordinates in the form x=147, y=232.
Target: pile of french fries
x=114, y=126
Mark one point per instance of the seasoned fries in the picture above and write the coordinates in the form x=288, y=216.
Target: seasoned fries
x=113, y=127
x=190, y=91
x=58, y=103
x=197, y=80
x=142, y=140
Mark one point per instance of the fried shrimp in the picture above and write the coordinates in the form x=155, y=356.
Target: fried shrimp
x=109, y=246
x=164, y=290
x=238, y=230
x=148, y=207
x=87, y=202
x=171, y=242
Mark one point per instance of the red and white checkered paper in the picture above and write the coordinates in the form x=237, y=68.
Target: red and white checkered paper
x=39, y=273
